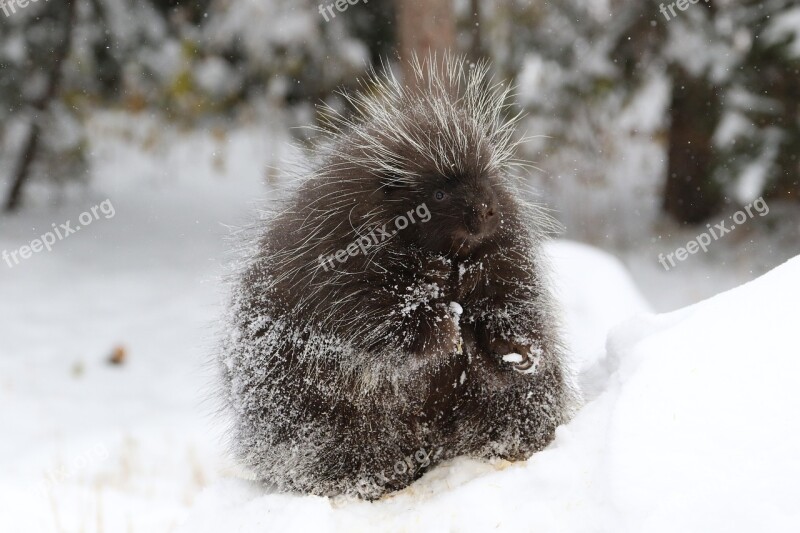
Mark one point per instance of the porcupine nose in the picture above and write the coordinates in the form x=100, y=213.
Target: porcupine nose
x=486, y=212
x=484, y=217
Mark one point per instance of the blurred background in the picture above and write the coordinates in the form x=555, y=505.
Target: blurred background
x=647, y=123
x=644, y=119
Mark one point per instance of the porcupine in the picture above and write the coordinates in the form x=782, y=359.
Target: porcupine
x=357, y=340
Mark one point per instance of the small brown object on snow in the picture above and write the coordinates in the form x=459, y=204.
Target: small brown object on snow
x=118, y=356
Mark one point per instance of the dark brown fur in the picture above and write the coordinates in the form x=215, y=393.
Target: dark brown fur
x=337, y=372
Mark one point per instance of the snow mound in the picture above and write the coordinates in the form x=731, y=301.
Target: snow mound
x=694, y=429
x=596, y=292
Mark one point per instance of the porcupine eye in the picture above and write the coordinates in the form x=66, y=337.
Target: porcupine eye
x=439, y=196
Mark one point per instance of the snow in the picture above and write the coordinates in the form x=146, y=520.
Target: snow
x=695, y=430
x=597, y=292
x=513, y=358
x=787, y=24
x=689, y=423
x=146, y=280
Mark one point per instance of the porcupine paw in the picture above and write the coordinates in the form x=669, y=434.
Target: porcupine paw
x=521, y=357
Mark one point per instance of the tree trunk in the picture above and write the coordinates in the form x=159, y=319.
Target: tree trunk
x=31, y=145
x=784, y=87
x=691, y=195
x=476, y=50
x=424, y=26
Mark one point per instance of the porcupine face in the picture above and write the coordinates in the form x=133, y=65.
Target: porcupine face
x=465, y=210
x=441, y=144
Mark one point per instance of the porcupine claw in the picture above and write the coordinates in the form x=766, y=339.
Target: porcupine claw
x=525, y=366
x=521, y=363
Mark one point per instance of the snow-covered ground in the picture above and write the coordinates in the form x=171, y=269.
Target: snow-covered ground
x=693, y=428
x=689, y=424
x=85, y=445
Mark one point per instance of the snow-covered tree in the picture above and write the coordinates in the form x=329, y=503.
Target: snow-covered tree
x=38, y=134
x=699, y=106
x=759, y=137
x=187, y=59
